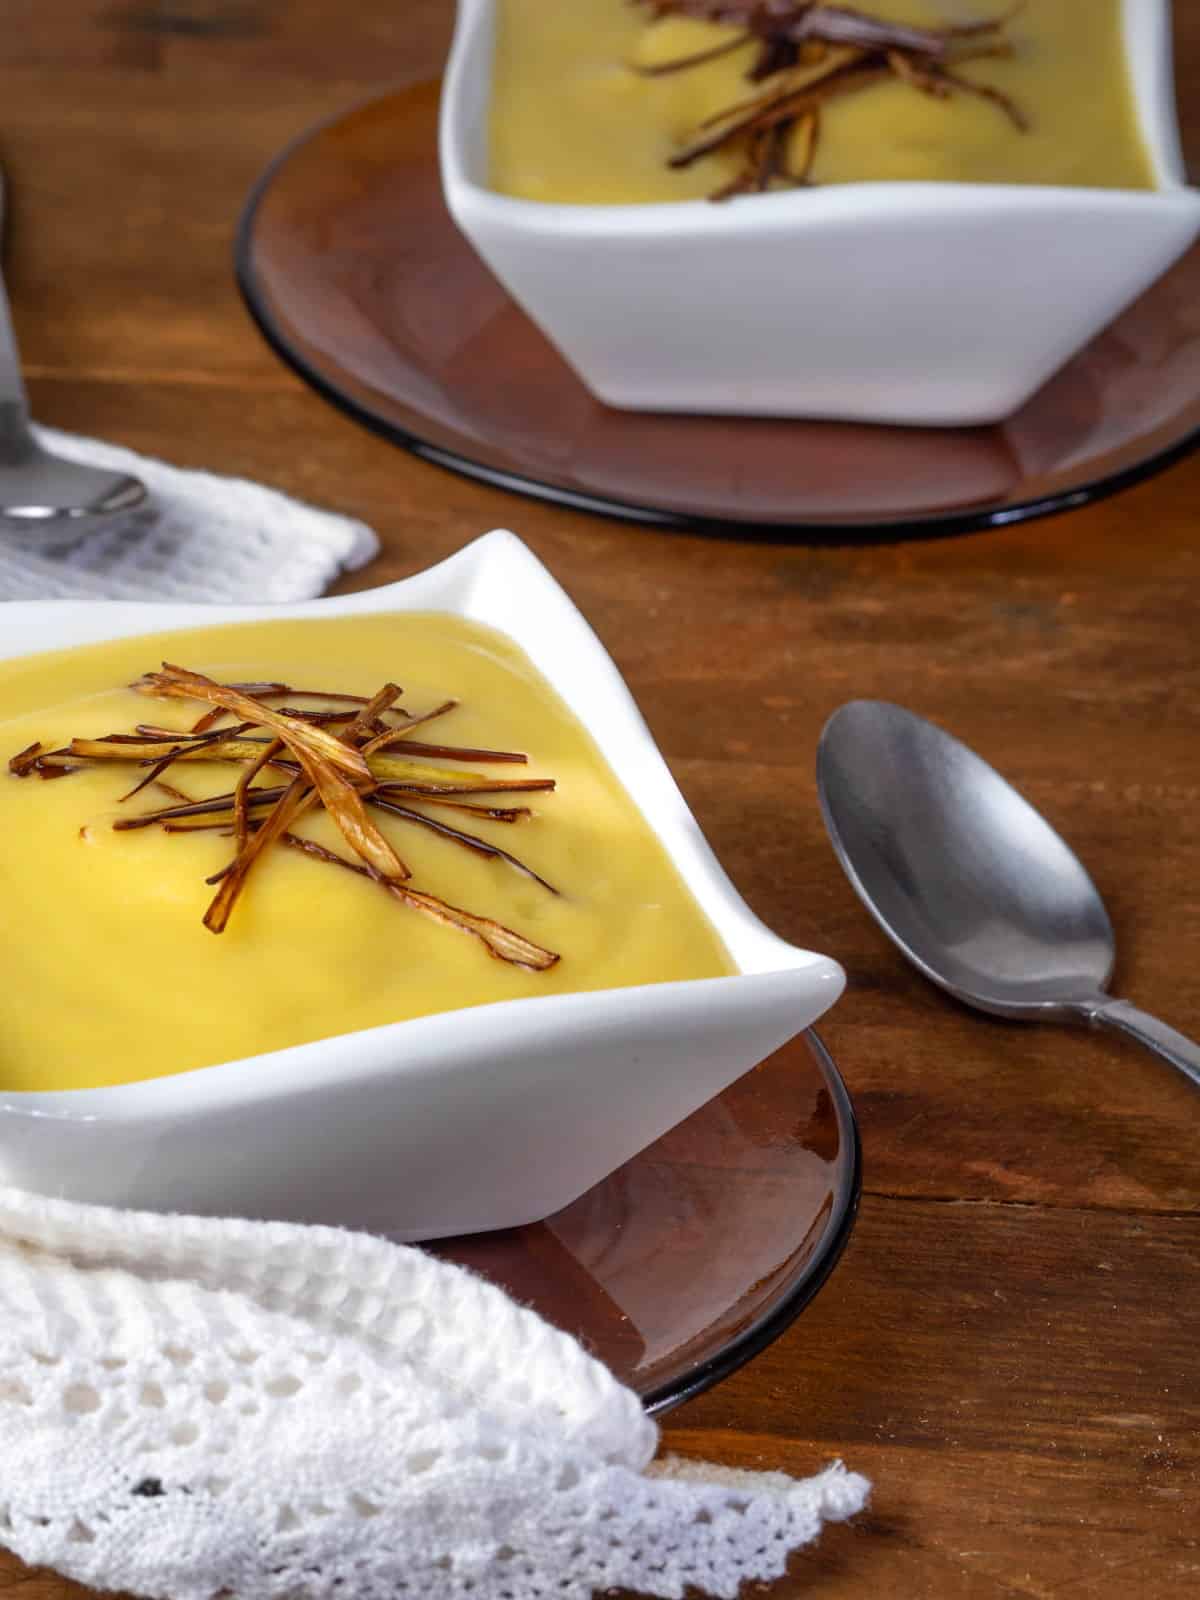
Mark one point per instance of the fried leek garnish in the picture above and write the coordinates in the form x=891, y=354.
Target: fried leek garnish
x=297, y=759
x=804, y=55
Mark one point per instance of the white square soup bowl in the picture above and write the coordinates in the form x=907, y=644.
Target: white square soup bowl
x=482, y=1118
x=927, y=303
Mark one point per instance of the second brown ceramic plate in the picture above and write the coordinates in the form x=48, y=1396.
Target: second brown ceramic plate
x=357, y=276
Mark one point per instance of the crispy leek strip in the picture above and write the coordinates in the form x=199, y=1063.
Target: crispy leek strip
x=297, y=798
x=161, y=766
x=261, y=691
x=469, y=841
x=381, y=767
x=25, y=761
x=241, y=800
x=304, y=740
x=221, y=804
x=499, y=941
x=491, y=813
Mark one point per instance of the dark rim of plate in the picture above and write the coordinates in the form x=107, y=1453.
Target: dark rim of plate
x=765, y=1329
x=865, y=531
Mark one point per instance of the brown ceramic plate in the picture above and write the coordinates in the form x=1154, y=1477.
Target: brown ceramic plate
x=356, y=275
x=697, y=1253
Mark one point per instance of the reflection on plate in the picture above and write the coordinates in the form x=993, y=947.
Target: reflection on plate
x=358, y=278
x=697, y=1253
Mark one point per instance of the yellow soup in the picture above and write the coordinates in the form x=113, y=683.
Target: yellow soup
x=110, y=975
x=571, y=122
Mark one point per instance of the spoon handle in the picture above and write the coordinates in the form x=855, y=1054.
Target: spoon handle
x=1174, y=1048
x=14, y=408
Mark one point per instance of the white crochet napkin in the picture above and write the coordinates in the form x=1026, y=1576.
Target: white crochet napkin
x=202, y=537
x=193, y=1408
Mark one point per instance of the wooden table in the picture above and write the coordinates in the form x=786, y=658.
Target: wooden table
x=1011, y=1346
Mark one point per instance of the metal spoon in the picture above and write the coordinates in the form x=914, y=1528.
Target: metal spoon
x=41, y=493
x=974, y=886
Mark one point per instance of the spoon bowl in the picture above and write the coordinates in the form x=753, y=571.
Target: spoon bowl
x=971, y=882
x=42, y=494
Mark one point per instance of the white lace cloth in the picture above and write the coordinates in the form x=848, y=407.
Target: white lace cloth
x=203, y=537
x=193, y=1408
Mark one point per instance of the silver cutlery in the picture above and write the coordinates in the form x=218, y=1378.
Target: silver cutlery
x=41, y=494
x=969, y=880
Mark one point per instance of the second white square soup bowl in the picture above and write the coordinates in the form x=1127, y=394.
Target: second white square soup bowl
x=926, y=303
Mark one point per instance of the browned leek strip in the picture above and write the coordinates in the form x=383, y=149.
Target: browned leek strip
x=324, y=718
x=217, y=822
x=54, y=764
x=172, y=792
x=365, y=719
x=454, y=752
x=194, y=808
x=984, y=91
x=381, y=768
x=470, y=841
x=808, y=128
x=278, y=690
x=24, y=762
x=799, y=21
x=660, y=69
x=911, y=72
x=219, y=746
x=493, y=813
x=390, y=736
x=841, y=25
x=296, y=799
x=161, y=766
x=345, y=805
x=301, y=737
x=245, y=778
x=429, y=716
x=498, y=940
x=203, y=723
x=413, y=777
x=256, y=691
x=422, y=785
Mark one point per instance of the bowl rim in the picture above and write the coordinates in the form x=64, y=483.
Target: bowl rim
x=463, y=584
x=1147, y=31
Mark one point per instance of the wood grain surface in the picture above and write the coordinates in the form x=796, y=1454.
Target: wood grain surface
x=1011, y=1346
